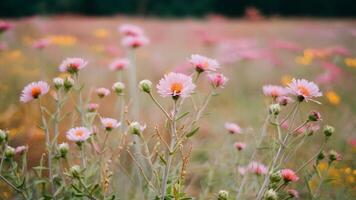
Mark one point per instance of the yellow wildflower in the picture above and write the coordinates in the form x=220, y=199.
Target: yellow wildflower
x=350, y=62
x=101, y=33
x=303, y=60
x=333, y=97
x=62, y=40
x=286, y=79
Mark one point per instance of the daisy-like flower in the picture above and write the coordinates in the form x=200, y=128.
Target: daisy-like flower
x=78, y=134
x=257, y=168
x=293, y=193
x=41, y=43
x=130, y=30
x=303, y=89
x=93, y=107
x=109, y=124
x=289, y=175
x=72, y=65
x=136, y=128
x=274, y=91
x=232, y=128
x=119, y=64
x=33, y=91
x=239, y=146
x=176, y=85
x=202, y=63
x=102, y=92
x=217, y=80
x=135, y=41
x=20, y=150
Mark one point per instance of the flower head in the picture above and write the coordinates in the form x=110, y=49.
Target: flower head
x=72, y=65
x=239, y=146
x=93, y=107
x=109, y=123
x=217, y=80
x=257, y=168
x=293, y=193
x=136, y=128
x=118, y=87
x=284, y=100
x=289, y=175
x=4, y=26
x=102, y=92
x=130, y=30
x=20, y=150
x=134, y=41
x=33, y=91
x=175, y=85
x=78, y=134
x=41, y=43
x=274, y=91
x=202, y=63
x=119, y=64
x=303, y=89
x=232, y=128
x=145, y=86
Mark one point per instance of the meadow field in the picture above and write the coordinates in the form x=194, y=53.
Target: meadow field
x=209, y=163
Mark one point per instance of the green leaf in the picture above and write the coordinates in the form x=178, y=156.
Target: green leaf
x=193, y=132
x=182, y=116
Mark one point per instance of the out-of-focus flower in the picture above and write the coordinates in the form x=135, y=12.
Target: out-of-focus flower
x=202, y=63
x=350, y=62
x=136, y=128
x=286, y=79
x=9, y=152
x=78, y=134
x=239, y=146
x=93, y=107
x=118, y=87
x=20, y=150
x=4, y=26
x=145, y=86
x=293, y=193
x=217, y=80
x=175, y=85
x=328, y=130
x=109, y=124
x=58, y=82
x=289, y=175
x=241, y=170
x=72, y=65
x=257, y=168
x=33, y=91
x=333, y=97
x=119, y=64
x=102, y=92
x=233, y=128
x=274, y=109
x=62, y=40
x=223, y=195
x=334, y=156
x=41, y=43
x=284, y=100
x=101, y=33
x=274, y=91
x=63, y=149
x=134, y=41
x=130, y=30
x=271, y=195
x=314, y=116
x=303, y=89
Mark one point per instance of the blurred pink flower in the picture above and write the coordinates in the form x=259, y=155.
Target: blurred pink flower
x=20, y=150
x=4, y=26
x=303, y=89
x=72, y=65
x=293, y=193
x=78, y=134
x=93, y=107
x=284, y=100
x=232, y=128
x=289, y=175
x=134, y=41
x=102, y=92
x=202, y=63
x=239, y=146
x=41, y=43
x=176, y=85
x=109, y=123
x=33, y=91
x=274, y=91
x=257, y=168
x=119, y=64
x=217, y=80
x=130, y=30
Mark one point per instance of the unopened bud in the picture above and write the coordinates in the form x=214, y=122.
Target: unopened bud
x=271, y=195
x=328, y=130
x=314, y=116
x=274, y=109
x=275, y=177
x=145, y=86
x=68, y=83
x=58, y=82
x=136, y=128
x=9, y=152
x=223, y=195
x=118, y=87
x=75, y=171
x=63, y=149
x=3, y=136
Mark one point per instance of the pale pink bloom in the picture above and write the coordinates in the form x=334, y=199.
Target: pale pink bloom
x=92, y=107
x=109, y=123
x=232, y=128
x=4, y=26
x=284, y=100
x=239, y=146
x=78, y=134
x=289, y=175
x=257, y=168
x=130, y=30
x=285, y=125
x=102, y=92
x=293, y=193
x=33, y=91
x=41, y=43
x=242, y=170
x=20, y=150
x=304, y=89
x=274, y=91
x=72, y=65
x=119, y=64
x=202, y=63
x=176, y=85
x=217, y=80
x=134, y=41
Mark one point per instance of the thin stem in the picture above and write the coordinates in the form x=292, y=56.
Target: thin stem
x=160, y=106
x=14, y=187
x=311, y=159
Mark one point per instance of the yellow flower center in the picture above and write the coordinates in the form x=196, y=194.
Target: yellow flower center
x=303, y=90
x=79, y=133
x=35, y=92
x=176, y=88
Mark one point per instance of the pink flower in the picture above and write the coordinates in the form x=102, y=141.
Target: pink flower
x=217, y=80
x=241, y=170
x=41, y=44
x=72, y=65
x=102, y=92
x=232, y=128
x=20, y=150
x=289, y=175
x=119, y=64
x=4, y=26
x=135, y=41
x=304, y=89
x=33, y=91
x=293, y=193
x=93, y=107
x=257, y=168
x=109, y=123
x=175, y=85
x=284, y=100
x=240, y=146
x=274, y=91
x=130, y=30
x=202, y=63
x=78, y=134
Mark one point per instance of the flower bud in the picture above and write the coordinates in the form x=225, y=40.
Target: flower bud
x=20, y=150
x=58, y=82
x=75, y=171
x=93, y=107
x=274, y=109
x=145, y=86
x=63, y=149
x=328, y=130
x=275, y=177
x=9, y=152
x=314, y=116
x=223, y=195
x=68, y=83
x=3, y=136
x=271, y=195
x=136, y=128
x=333, y=155
x=118, y=87
x=321, y=156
